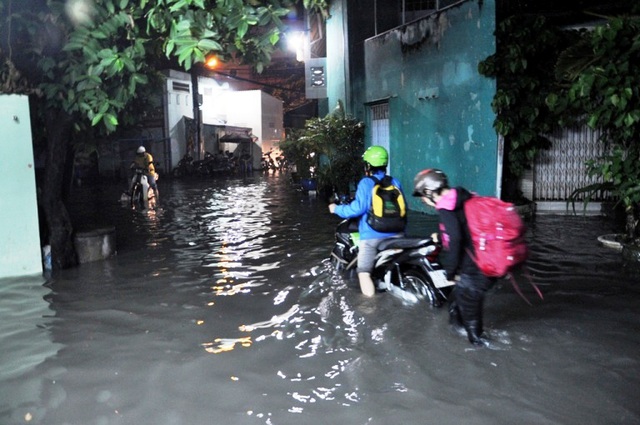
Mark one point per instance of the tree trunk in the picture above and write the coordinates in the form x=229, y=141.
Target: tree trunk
x=58, y=127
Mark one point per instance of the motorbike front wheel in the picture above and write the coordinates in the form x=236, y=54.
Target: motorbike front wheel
x=421, y=285
x=137, y=200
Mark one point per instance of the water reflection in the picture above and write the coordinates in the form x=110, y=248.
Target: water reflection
x=25, y=339
x=27, y=344
x=238, y=268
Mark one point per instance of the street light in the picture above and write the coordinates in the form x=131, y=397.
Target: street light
x=297, y=43
x=211, y=62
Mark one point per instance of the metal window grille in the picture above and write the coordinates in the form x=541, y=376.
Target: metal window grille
x=561, y=170
x=380, y=124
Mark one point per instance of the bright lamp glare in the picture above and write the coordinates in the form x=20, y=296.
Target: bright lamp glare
x=295, y=43
x=211, y=62
x=295, y=40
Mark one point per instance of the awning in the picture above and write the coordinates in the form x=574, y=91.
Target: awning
x=236, y=138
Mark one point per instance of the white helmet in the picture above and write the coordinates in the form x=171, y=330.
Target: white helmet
x=429, y=180
x=141, y=149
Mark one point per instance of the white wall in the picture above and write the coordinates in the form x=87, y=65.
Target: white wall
x=244, y=109
x=260, y=112
x=214, y=111
x=177, y=103
x=272, y=121
x=20, y=253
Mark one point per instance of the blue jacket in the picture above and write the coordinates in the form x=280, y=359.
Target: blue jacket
x=360, y=206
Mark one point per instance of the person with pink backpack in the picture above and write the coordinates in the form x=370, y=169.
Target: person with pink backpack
x=471, y=284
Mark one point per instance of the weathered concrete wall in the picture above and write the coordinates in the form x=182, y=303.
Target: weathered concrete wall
x=439, y=105
x=19, y=235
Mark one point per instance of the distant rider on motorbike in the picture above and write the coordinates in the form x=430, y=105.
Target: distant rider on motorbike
x=144, y=161
x=376, y=159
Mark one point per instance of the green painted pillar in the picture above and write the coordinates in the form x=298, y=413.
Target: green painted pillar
x=19, y=235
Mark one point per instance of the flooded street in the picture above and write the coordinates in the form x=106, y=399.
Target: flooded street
x=222, y=308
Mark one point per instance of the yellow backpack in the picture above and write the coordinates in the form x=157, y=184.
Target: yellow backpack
x=388, y=211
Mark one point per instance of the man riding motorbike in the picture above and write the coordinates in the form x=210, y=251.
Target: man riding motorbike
x=376, y=159
x=144, y=161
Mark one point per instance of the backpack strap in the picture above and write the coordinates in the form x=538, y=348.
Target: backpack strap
x=515, y=285
x=386, y=180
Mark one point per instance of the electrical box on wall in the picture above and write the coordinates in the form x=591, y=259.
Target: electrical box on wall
x=315, y=73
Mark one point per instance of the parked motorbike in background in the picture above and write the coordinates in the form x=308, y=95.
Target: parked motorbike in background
x=142, y=195
x=268, y=163
x=408, y=267
x=185, y=167
x=202, y=167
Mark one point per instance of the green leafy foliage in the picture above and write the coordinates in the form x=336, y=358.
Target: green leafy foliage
x=523, y=66
x=604, y=91
x=331, y=145
x=92, y=66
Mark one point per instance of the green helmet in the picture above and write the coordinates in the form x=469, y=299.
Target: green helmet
x=376, y=156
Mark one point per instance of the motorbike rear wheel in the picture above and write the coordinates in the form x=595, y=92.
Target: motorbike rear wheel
x=421, y=285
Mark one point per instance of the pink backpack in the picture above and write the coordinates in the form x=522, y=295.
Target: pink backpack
x=497, y=233
x=498, y=237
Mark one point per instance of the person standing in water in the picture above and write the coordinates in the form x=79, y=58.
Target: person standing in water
x=376, y=159
x=470, y=284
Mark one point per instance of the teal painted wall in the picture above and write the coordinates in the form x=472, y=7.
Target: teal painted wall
x=19, y=235
x=439, y=105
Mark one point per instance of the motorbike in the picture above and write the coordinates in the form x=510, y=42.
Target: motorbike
x=142, y=195
x=283, y=163
x=203, y=167
x=268, y=163
x=221, y=164
x=185, y=167
x=407, y=266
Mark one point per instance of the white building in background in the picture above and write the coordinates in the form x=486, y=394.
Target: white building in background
x=223, y=111
x=178, y=103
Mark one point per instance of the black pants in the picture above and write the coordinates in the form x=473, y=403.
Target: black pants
x=467, y=301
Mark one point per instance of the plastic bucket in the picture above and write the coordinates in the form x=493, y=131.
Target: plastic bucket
x=96, y=244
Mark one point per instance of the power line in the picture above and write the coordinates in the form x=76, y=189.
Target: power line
x=235, y=77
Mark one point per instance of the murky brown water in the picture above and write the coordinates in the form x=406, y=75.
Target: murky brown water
x=222, y=309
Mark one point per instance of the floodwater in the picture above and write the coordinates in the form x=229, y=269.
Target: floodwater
x=221, y=308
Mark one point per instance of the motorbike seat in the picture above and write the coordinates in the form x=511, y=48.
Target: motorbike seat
x=404, y=243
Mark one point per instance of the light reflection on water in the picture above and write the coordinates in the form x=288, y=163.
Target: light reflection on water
x=239, y=269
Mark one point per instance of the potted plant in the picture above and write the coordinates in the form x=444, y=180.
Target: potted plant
x=328, y=149
x=340, y=142
x=620, y=174
x=300, y=154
